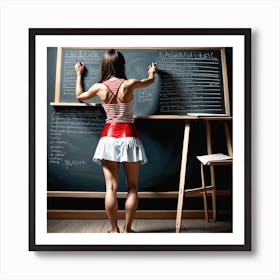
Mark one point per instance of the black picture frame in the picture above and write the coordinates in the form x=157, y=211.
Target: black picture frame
x=34, y=34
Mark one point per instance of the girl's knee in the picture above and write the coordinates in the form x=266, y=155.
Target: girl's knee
x=132, y=187
x=112, y=188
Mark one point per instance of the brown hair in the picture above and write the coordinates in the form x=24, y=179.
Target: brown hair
x=113, y=64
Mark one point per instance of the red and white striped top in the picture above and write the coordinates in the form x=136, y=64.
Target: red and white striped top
x=118, y=112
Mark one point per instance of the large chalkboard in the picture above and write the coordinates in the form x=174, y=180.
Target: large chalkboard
x=73, y=132
x=188, y=81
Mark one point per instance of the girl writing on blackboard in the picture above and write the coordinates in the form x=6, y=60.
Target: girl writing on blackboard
x=119, y=142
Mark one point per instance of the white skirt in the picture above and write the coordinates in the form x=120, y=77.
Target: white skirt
x=124, y=149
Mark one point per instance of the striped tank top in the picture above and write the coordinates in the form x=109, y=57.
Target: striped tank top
x=118, y=112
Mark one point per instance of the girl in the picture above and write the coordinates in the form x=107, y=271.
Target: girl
x=119, y=141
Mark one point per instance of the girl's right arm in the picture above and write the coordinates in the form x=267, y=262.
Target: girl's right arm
x=147, y=81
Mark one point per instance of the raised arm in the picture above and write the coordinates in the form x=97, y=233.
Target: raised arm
x=147, y=81
x=80, y=93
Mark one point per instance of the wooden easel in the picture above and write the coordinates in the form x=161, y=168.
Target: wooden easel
x=182, y=192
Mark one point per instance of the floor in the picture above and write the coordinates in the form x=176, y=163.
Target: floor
x=139, y=225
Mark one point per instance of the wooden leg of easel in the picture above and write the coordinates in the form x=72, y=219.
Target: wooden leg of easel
x=228, y=138
x=204, y=192
x=182, y=176
x=214, y=204
x=212, y=171
x=209, y=150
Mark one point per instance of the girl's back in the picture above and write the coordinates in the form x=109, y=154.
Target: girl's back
x=117, y=87
x=116, y=108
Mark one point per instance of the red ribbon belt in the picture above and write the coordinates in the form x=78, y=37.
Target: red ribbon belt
x=118, y=130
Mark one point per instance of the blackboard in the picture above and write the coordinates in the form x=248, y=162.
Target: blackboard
x=188, y=81
x=73, y=133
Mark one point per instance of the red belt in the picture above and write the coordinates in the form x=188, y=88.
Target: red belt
x=118, y=130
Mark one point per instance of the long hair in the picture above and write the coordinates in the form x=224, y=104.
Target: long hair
x=113, y=64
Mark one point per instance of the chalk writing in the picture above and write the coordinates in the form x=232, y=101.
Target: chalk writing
x=188, y=54
x=144, y=97
x=190, y=81
x=65, y=126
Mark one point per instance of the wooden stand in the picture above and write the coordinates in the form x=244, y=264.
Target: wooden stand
x=203, y=189
x=182, y=175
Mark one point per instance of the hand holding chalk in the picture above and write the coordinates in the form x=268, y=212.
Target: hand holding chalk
x=152, y=68
x=79, y=67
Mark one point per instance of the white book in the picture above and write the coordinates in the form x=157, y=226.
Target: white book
x=213, y=157
x=206, y=115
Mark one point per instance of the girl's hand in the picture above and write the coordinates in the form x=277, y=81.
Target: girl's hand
x=79, y=67
x=152, y=68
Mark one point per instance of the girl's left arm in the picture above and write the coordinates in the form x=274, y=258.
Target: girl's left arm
x=80, y=93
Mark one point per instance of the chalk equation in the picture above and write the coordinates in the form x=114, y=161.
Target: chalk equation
x=73, y=163
x=144, y=96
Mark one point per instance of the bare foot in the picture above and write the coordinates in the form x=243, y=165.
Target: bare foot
x=128, y=231
x=114, y=230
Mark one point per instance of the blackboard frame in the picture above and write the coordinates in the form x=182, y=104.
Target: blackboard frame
x=59, y=66
x=246, y=33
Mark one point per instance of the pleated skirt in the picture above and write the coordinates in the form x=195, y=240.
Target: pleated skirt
x=120, y=142
x=123, y=149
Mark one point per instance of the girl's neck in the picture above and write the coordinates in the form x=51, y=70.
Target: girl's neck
x=113, y=78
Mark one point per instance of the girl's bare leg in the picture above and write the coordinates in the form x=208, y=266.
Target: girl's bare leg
x=131, y=204
x=111, y=169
